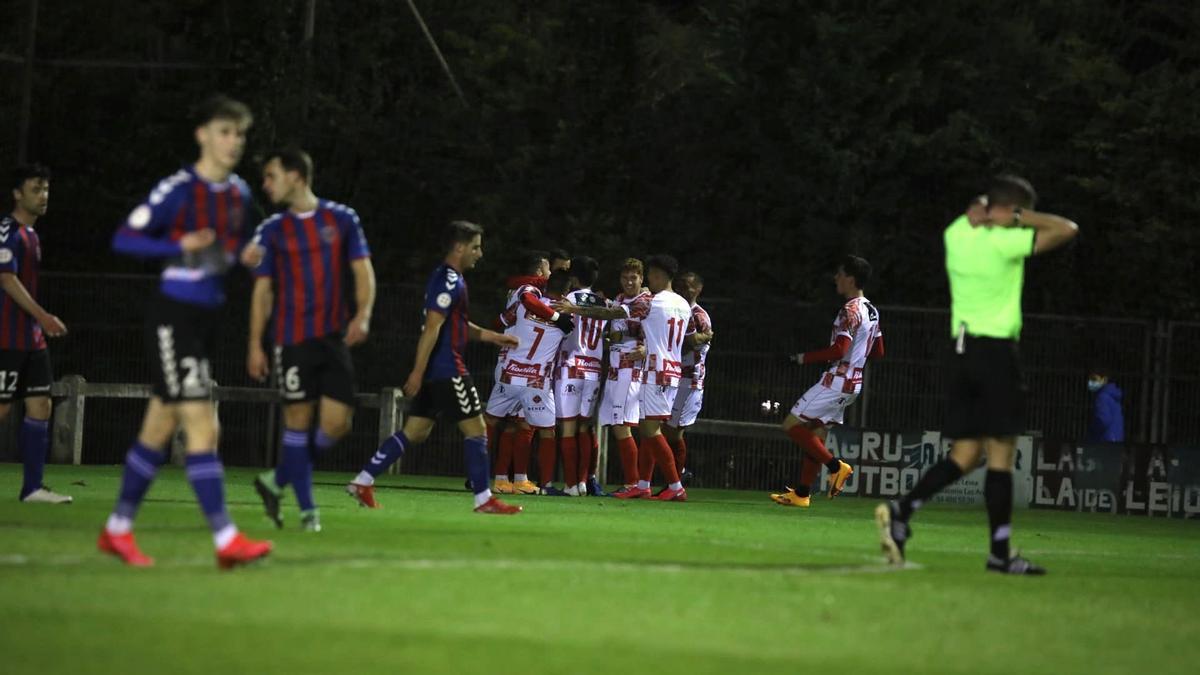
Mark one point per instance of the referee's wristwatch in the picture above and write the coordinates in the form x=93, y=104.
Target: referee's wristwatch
x=1017, y=215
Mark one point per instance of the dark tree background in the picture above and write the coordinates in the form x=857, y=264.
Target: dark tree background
x=754, y=138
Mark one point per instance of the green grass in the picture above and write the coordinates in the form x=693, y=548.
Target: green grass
x=726, y=583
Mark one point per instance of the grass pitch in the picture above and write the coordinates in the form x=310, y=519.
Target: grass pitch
x=726, y=583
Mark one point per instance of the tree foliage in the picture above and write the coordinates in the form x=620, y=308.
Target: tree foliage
x=756, y=139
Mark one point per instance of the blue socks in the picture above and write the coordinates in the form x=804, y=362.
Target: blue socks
x=141, y=465
x=392, y=450
x=207, y=477
x=34, y=442
x=294, y=466
x=476, y=460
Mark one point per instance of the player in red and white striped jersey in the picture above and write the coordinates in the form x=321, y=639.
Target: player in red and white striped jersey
x=578, y=385
x=856, y=337
x=663, y=325
x=527, y=375
x=620, y=406
x=511, y=441
x=691, y=386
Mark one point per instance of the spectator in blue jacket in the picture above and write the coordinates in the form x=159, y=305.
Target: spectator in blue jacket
x=1107, y=424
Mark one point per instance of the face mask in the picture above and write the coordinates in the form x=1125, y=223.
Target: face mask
x=1094, y=385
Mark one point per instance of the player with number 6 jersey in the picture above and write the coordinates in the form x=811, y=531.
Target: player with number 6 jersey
x=856, y=337
x=299, y=257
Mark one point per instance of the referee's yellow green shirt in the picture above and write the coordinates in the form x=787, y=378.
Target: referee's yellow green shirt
x=986, y=266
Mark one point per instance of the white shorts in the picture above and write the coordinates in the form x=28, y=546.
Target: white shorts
x=621, y=403
x=536, y=404
x=576, y=398
x=823, y=404
x=687, y=407
x=658, y=401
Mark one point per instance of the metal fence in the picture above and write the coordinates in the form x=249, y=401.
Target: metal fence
x=1155, y=362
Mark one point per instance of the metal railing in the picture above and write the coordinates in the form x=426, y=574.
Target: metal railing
x=1156, y=362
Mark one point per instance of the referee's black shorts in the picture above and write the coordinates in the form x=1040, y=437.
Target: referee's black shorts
x=985, y=390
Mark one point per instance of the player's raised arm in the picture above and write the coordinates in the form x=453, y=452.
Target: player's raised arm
x=597, y=312
x=1052, y=231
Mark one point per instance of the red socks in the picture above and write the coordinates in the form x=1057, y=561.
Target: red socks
x=645, y=461
x=680, y=453
x=522, y=449
x=661, y=450
x=545, y=460
x=504, y=454
x=629, y=459
x=812, y=445
x=570, y=457
x=809, y=470
x=589, y=455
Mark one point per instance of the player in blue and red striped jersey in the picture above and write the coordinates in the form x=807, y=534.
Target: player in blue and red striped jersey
x=25, y=370
x=439, y=382
x=300, y=257
x=195, y=220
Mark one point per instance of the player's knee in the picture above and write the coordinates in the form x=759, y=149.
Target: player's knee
x=4, y=408
x=298, y=415
x=337, y=426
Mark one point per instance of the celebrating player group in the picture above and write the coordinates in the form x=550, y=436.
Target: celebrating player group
x=571, y=362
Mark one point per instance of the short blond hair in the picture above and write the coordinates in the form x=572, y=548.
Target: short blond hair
x=632, y=264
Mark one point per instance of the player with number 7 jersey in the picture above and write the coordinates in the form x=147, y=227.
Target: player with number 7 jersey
x=527, y=372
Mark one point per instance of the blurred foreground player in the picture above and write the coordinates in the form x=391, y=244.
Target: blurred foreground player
x=300, y=257
x=195, y=220
x=439, y=383
x=25, y=370
x=856, y=337
x=986, y=250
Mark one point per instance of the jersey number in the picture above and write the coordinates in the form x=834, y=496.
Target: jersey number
x=291, y=379
x=8, y=380
x=590, y=335
x=536, y=341
x=675, y=324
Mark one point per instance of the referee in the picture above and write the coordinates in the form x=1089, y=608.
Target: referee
x=985, y=260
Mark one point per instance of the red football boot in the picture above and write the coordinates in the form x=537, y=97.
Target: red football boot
x=632, y=492
x=242, y=551
x=124, y=547
x=669, y=495
x=498, y=507
x=363, y=494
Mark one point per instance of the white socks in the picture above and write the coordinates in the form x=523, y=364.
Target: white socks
x=223, y=536
x=364, y=478
x=482, y=497
x=118, y=525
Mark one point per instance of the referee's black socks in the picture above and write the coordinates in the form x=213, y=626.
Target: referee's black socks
x=935, y=479
x=998, y=493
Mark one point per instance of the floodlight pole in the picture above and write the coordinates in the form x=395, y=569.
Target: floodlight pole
x=27, y=84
